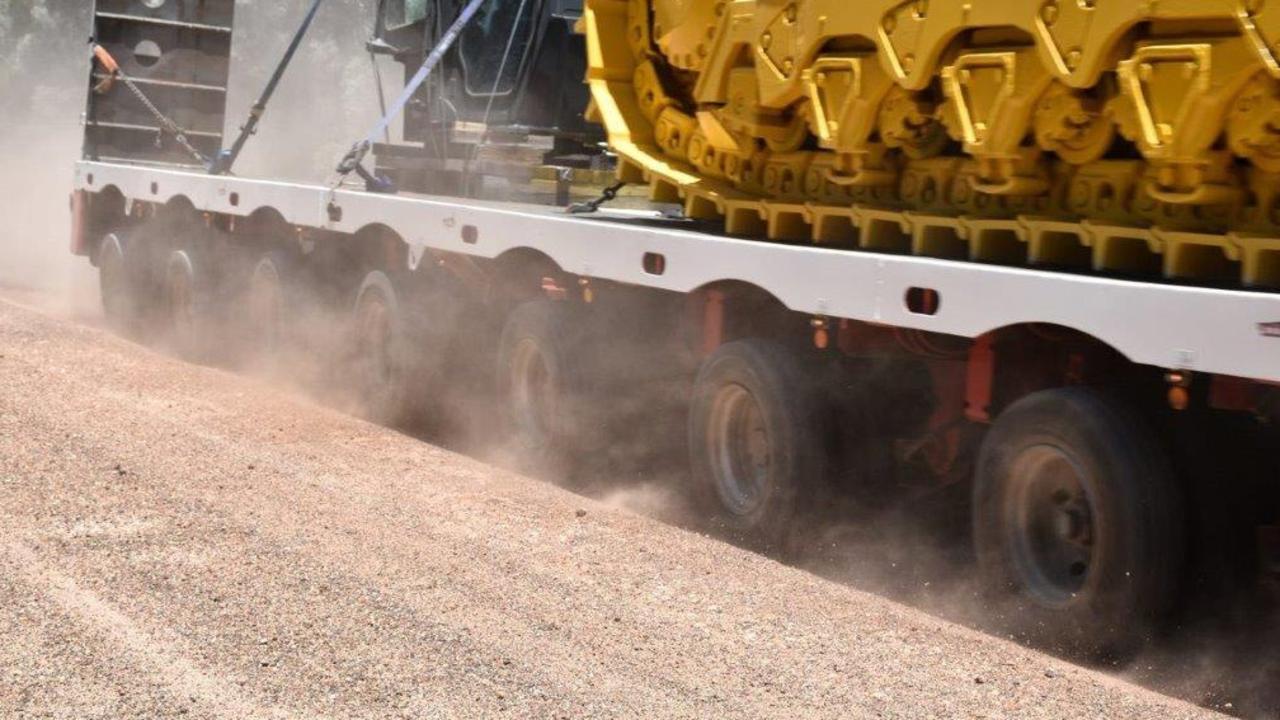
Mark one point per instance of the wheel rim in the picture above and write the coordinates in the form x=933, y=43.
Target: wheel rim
x=533, y=393
x=1051, y=523
x=740, y=450
x=376, y=369
x=265, y=308
x=178, y=300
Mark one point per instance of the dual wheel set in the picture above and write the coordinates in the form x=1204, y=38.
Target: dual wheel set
x=1077, y=517
x=194, y=303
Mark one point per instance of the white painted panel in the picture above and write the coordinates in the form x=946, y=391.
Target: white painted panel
x=1157, y=324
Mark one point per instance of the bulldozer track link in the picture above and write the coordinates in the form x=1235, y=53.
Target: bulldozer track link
x=1116, y=138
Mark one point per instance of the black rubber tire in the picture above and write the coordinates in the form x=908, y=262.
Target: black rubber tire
x=268, y=325
x=379, y=357
x=794, y=418
x=1136, y=531
x=189, y=305
x=542, y=389
x=118, y=284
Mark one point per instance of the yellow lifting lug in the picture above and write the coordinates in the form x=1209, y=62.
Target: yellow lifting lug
x=1177, y=99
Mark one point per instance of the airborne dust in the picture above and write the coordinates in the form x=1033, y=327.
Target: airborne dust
x=329, y=99
x=41, y=98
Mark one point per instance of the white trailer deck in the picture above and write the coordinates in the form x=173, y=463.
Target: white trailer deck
x=1229, y=332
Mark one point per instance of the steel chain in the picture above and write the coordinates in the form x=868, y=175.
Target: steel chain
x=169, y=125
x=594, y=204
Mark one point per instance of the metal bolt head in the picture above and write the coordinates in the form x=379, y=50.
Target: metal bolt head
x=1079, y=194
x=1049, y=13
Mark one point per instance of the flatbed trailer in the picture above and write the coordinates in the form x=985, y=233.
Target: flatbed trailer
x=1114, y=437
x=1173, y=327
x=1127, y=363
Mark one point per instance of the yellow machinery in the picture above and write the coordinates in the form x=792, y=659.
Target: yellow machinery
x=1126, y=136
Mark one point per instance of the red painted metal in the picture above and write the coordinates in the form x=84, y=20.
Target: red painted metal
x=1234, y=394
x=854, y=337
x=712, y=321
x=981, y=371
x=943, y=444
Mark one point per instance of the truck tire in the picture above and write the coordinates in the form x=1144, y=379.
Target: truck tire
x=1077, y=522
x=188, y=305
x=270, y=313
x=380, y=351
x=118, y=285
x=541, y=386
x=757, y=431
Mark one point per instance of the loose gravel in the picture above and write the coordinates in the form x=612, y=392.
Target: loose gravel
x=179, y=541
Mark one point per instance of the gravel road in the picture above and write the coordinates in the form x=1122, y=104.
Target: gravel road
x=175, y=540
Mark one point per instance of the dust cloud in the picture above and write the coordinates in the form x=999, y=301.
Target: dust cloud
x=913, y=552
x=43, y=58
x=325, y=102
